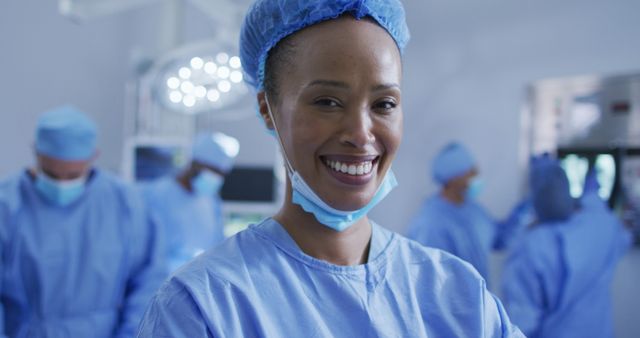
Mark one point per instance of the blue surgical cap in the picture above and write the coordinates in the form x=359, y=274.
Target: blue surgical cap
x=216, y=150
x=269, y=21
x=452, y=161
x=550, y=192
x=67, y=134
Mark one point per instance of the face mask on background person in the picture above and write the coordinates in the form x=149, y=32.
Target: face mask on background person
x=61, y=193
x=475, y=188
x=207, y=183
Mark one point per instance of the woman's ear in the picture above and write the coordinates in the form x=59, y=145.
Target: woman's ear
x=264, y=110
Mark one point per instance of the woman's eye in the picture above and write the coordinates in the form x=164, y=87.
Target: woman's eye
x=327, y=102
x=385, y=105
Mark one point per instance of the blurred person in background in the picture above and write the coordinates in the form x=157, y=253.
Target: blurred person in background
x=80, y=255
x=188, y=205
x=557, y=280
x=454, y=221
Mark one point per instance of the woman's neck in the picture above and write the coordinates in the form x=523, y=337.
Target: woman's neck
x=348, y=247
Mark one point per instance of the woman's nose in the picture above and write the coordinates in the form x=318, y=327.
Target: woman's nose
x=357, y=128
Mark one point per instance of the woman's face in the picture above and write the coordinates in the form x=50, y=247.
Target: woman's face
x=338, y=109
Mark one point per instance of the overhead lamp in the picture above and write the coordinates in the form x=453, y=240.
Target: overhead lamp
x=200, y=77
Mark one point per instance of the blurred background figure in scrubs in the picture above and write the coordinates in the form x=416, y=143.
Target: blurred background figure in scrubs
x=453, y=220
x=557, y=280
x=80, y=256
x=189, y=206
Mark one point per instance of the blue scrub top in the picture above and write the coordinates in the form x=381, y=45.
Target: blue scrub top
x=557, y=280
x=465, y=230
x=260, y=284
x=84, y=270
x=193, y=223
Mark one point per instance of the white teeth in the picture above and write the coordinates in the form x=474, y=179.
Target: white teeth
x=359, y=169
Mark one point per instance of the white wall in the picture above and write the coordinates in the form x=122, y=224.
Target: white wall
x=46, y=61
x=466, y=70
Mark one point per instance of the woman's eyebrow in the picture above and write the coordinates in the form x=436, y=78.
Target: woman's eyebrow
x=328, y=83
x=385, y=86
x=344, y=85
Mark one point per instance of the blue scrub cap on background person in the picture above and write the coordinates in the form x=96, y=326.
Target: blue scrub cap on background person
x=269, y=21
x=66, y=133
x=452, y=161
x=552, y=199
x=216, y=150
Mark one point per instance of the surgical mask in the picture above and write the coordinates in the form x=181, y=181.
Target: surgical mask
x=207, y=183
x=60, y=193
x=474, y=189
x=310, y=202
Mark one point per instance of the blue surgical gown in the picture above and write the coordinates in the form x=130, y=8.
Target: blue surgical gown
x=556, y=282
x=193, y=222
x=260, y=284
x=84, y=270
x=465, y=230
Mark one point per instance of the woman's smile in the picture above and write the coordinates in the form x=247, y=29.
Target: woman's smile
x=350, y=169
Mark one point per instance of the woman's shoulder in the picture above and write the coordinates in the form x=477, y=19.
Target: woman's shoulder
x=428, y=262
x=227, y=262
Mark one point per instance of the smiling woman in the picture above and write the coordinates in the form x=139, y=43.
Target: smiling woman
x=328, y=79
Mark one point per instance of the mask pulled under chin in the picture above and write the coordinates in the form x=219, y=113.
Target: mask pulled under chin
x=335, y=219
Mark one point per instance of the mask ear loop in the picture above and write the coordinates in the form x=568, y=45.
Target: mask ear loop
x=275, y=127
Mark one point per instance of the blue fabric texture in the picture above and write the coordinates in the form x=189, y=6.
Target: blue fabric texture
x=260, y=284
x=193, y=222
x=84, y=270
x=452, y=161
x=551, y=197
x=217, y=150
x=557, y=281
x=269, y=21
x=66, y=133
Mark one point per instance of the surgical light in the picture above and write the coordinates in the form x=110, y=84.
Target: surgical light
x=173, y=82
x=196, y=63
x=186, y=87
x=200, y=91
x=175, y=97
x=210, y=67
x=223, y=72
x=224, y=86
x=213, y=95
x=189, y=101
x=236, y=76
x=200, y=77
x=184, y=73
x=234, y=62
x=222, y=58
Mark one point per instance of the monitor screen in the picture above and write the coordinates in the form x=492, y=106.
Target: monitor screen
x=577, y=163
x=155, y=161
x=250, y=184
